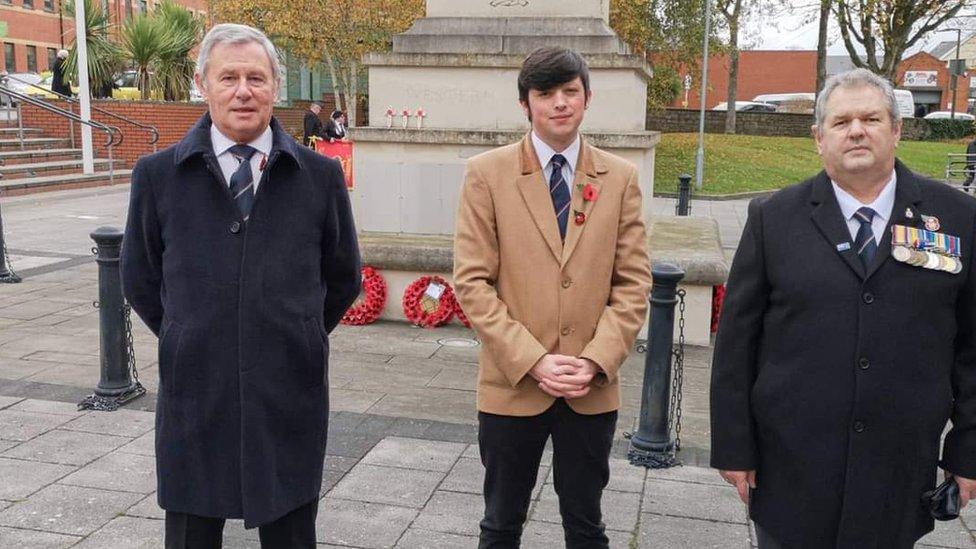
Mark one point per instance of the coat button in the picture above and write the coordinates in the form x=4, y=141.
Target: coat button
x=859, y=426
x=235, y=227
x=567, y=282
x=864, y=363
x=868, y=297
x=566, y=330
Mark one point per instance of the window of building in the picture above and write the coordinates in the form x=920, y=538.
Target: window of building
x=28, y=4
x=52, y=58
x=49, y=5
x=31, y=58
x=10, y=64
x=5, y=2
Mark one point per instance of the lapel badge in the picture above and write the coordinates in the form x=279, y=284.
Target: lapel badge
x=843, y=246
x=579, y=217
x=909, y=214
x=931, y=223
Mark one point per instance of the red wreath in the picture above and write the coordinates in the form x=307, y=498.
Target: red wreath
x=718, y=297
x=462, y=318
x=369, y=309
x=414, y=311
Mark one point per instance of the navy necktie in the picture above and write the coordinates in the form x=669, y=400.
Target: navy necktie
x=242, y=182
x=559, y=192
x=865, y=244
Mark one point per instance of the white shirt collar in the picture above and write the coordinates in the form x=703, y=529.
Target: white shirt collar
x=545, y=152
x=221, y=142
x=882, y=205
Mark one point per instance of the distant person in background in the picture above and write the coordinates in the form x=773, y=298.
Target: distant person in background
x=970, y=164
x=58, y=83
x=312, y=123
x=335, y=130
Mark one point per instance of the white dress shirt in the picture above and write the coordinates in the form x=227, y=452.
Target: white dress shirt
x=882, y=206
x=545, y=154
x=228, y=162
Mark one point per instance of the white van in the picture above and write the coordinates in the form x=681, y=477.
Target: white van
x=906, y=103
x=905, y=99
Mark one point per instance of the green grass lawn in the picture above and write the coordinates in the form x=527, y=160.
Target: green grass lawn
x=744, y=163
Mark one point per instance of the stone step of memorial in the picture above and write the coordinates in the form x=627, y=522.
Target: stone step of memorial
x=9, y=143
x=16, y=156
x=27, y=185
x=53, y=167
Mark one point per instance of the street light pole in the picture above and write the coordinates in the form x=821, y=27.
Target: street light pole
x=955, y=76
x=700, y=155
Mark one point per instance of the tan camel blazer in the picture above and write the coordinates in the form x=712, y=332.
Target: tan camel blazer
x=528, y=294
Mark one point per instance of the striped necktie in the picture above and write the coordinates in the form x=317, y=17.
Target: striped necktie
x=559, y=192
x=242, y=182
x=864, y=243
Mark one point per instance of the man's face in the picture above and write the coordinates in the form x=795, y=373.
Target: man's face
x=342, y=119
x=240, y=90
x=857, y=138
x=315, y=109
x=557, y=113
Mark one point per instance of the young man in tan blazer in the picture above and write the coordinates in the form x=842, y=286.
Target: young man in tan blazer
x=550, y=265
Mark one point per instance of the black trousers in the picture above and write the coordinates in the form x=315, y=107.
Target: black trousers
x=765, y=541
x=296, y=530
x=511, y=449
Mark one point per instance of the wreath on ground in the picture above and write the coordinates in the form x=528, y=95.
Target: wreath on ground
x=462, y=318
x=369, y=308
x=718, y=298
x=429, y=302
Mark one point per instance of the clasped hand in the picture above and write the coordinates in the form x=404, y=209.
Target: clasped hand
x=564, y=376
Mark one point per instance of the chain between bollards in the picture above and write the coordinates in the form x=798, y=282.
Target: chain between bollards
x=655, y=442
x=118, y=383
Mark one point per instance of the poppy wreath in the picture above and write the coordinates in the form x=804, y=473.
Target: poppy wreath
x=369, y=309
x=462, y=318
x=718, y=296
x=413, y=303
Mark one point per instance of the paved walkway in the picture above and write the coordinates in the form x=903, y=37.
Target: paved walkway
x=402, y=467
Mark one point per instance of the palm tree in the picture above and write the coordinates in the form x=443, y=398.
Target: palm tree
x=142, y=38
x=104, y=55
x=174, y=67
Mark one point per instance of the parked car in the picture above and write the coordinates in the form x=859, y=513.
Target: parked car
x=746, y=106
x=937, y=115
x=777, y=98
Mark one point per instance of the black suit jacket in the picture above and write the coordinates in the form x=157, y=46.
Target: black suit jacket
x=312, y=126
x=834, y=381
x=242, y=311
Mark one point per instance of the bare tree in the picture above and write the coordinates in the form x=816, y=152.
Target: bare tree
x=822, y=44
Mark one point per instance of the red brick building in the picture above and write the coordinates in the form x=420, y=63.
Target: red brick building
x=32, y=31
x=928, y=78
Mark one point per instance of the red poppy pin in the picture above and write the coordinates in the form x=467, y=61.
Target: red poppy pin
x=590, y=193
x=579, y=217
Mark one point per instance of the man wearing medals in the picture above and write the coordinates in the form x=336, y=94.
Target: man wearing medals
x=847, y=340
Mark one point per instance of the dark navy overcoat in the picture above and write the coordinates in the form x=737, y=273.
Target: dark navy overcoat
x=834, y=381
x=242, y=312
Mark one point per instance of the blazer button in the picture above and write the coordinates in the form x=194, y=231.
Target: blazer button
x=864, y=363
x=235, y=227
x=859, y=426
x=566, y=330
x=868, y=297
x=567, y=282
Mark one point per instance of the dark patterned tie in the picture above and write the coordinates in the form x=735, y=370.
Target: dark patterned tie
x=242, y=182
x=559, y=192
x=865, y=243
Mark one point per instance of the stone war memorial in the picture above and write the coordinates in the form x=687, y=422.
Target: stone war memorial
x=459, y=65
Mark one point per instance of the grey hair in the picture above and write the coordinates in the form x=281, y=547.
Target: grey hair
x=231, y=33
x=856, y=78
x=62, y=54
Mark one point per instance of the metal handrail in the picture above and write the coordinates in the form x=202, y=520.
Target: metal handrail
x=153, y=139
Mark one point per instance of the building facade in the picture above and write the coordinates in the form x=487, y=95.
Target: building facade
x=32, y=31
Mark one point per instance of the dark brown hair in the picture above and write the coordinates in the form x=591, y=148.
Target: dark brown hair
x=551, y=66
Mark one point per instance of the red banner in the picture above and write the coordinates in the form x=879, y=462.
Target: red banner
x=341, y=151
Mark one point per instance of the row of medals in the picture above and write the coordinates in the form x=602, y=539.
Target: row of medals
x=926, y=259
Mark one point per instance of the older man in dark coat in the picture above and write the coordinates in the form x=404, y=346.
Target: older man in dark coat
x=240, y=253
x=847, y=341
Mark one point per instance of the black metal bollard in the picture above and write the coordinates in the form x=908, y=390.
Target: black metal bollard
x=116, y=385
x=7, y=274
x=683, y=207
x=652, y=445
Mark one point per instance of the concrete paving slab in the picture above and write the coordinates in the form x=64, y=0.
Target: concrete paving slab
x=17, y=538
x=545, y=535
x=330, y=479
x=453, y=513
x=359, y=524
x=66, y=447
x=472, y=452
x=415, y=454
x=127, y=533
x=461, y=379
x=65, y=509
x=147, y=508
x=34, y=308
x=15, y=368
x=389, y=485
x=382, y=377
x=429, y=403
x=339, y=463
x=662, y=531
x=352, y=401
x=7, y=444
x=117, y=471
x=625, y=477
x=76, y=375
x=127, y=423
x=143, y=446
x=467, y=475
x=620, y=509
x=6, y=402
x=65, y=358
x=718, y=503
x=695, y=475
x=23, y=426
x=415, y=538
x=352, y=445
x=48, y=407
x=950, y=534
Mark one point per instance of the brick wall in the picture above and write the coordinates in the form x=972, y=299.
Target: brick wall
x=171, y=119
x=757, y=123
